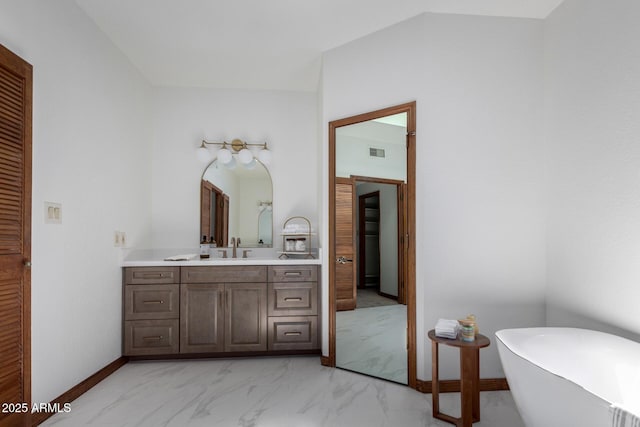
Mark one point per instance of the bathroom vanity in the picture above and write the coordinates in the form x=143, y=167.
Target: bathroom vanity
x=220, y=307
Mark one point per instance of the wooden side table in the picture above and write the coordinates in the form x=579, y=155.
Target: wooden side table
x=469, y=378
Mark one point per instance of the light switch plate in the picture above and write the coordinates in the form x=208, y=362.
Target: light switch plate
x=52, y=213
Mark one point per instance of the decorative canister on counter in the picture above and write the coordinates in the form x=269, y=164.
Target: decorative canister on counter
x=468, y=333
x=301, y=244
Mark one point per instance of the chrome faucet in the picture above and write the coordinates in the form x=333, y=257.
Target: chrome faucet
x=235, y=241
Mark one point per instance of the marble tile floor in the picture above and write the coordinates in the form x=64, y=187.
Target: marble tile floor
x=373, y=341
x=263, y=392
x=369, y=297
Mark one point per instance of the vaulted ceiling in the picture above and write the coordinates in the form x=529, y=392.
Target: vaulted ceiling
x=261, y=44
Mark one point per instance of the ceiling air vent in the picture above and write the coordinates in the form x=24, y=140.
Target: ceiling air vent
x=376, y=152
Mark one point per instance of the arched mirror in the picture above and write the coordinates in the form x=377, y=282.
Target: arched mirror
x=236, y=202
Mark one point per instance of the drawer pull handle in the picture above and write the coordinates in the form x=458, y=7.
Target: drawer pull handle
x=293, y=299
x=152, y=275
x=293, y=333
x=154, y=302
x=154, y=338
x=293, y=273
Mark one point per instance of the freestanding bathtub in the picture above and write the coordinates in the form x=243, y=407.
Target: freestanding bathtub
x=572, y=377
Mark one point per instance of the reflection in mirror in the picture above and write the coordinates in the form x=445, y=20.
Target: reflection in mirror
x=233, y=203
x=371, y=317
x=265, y=222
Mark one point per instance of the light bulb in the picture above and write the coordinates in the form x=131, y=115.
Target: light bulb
x=252, y=164
x=264, y=156
x=224, y=155
x=203, y=154
x=232, y=164
x=245, y=156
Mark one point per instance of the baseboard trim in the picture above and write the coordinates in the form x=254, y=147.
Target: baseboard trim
x=452, y=386
x=79, y=389
x=225, y=355
x=325, y=361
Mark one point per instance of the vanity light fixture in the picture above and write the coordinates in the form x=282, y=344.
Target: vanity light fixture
x=239, y=147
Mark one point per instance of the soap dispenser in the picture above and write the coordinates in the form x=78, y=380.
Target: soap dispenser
x=204, y=248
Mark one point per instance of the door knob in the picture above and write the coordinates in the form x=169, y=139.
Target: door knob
x=343, y=260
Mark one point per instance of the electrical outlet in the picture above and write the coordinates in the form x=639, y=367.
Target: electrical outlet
x=123, y=239
x=117, y=240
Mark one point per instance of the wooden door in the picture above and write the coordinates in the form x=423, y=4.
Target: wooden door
x=246, y=317
x=214, y=213
x=206, y=190
x=201, y=318
x=345, y=245
x=402, y=244
x=15, y=235
x=223, y=224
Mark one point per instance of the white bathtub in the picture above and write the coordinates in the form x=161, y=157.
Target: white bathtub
x=570, y=377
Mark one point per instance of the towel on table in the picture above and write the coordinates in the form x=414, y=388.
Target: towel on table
x=446, y=328
x=623, y=418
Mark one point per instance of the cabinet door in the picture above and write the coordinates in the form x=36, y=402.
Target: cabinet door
x=246, y=317
x=201, y=318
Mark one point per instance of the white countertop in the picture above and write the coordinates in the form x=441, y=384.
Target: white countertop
x=257, y=256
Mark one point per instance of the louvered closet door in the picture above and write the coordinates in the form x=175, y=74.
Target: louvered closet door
x=345, y=245
x=15, y=235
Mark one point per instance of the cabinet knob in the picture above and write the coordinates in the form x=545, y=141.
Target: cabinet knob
x=27, y=264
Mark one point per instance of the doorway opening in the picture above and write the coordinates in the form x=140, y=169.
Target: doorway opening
x=371, y=235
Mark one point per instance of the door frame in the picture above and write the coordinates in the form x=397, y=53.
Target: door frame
x=401, y=206
x=409, y=237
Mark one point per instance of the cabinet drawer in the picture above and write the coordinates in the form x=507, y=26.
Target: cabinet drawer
x=150, y=337
x=151, y=302
x=293, y=299
x=293, y=333
x=225, y=274
x=293, y=273
x=151, y=275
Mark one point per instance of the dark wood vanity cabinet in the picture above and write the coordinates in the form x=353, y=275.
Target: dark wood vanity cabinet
x=217, y=309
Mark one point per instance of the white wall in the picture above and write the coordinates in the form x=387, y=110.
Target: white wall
x=592, y=105
x=480, y=212
x=352, y=150
x=91, y=154
x=183, y=117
